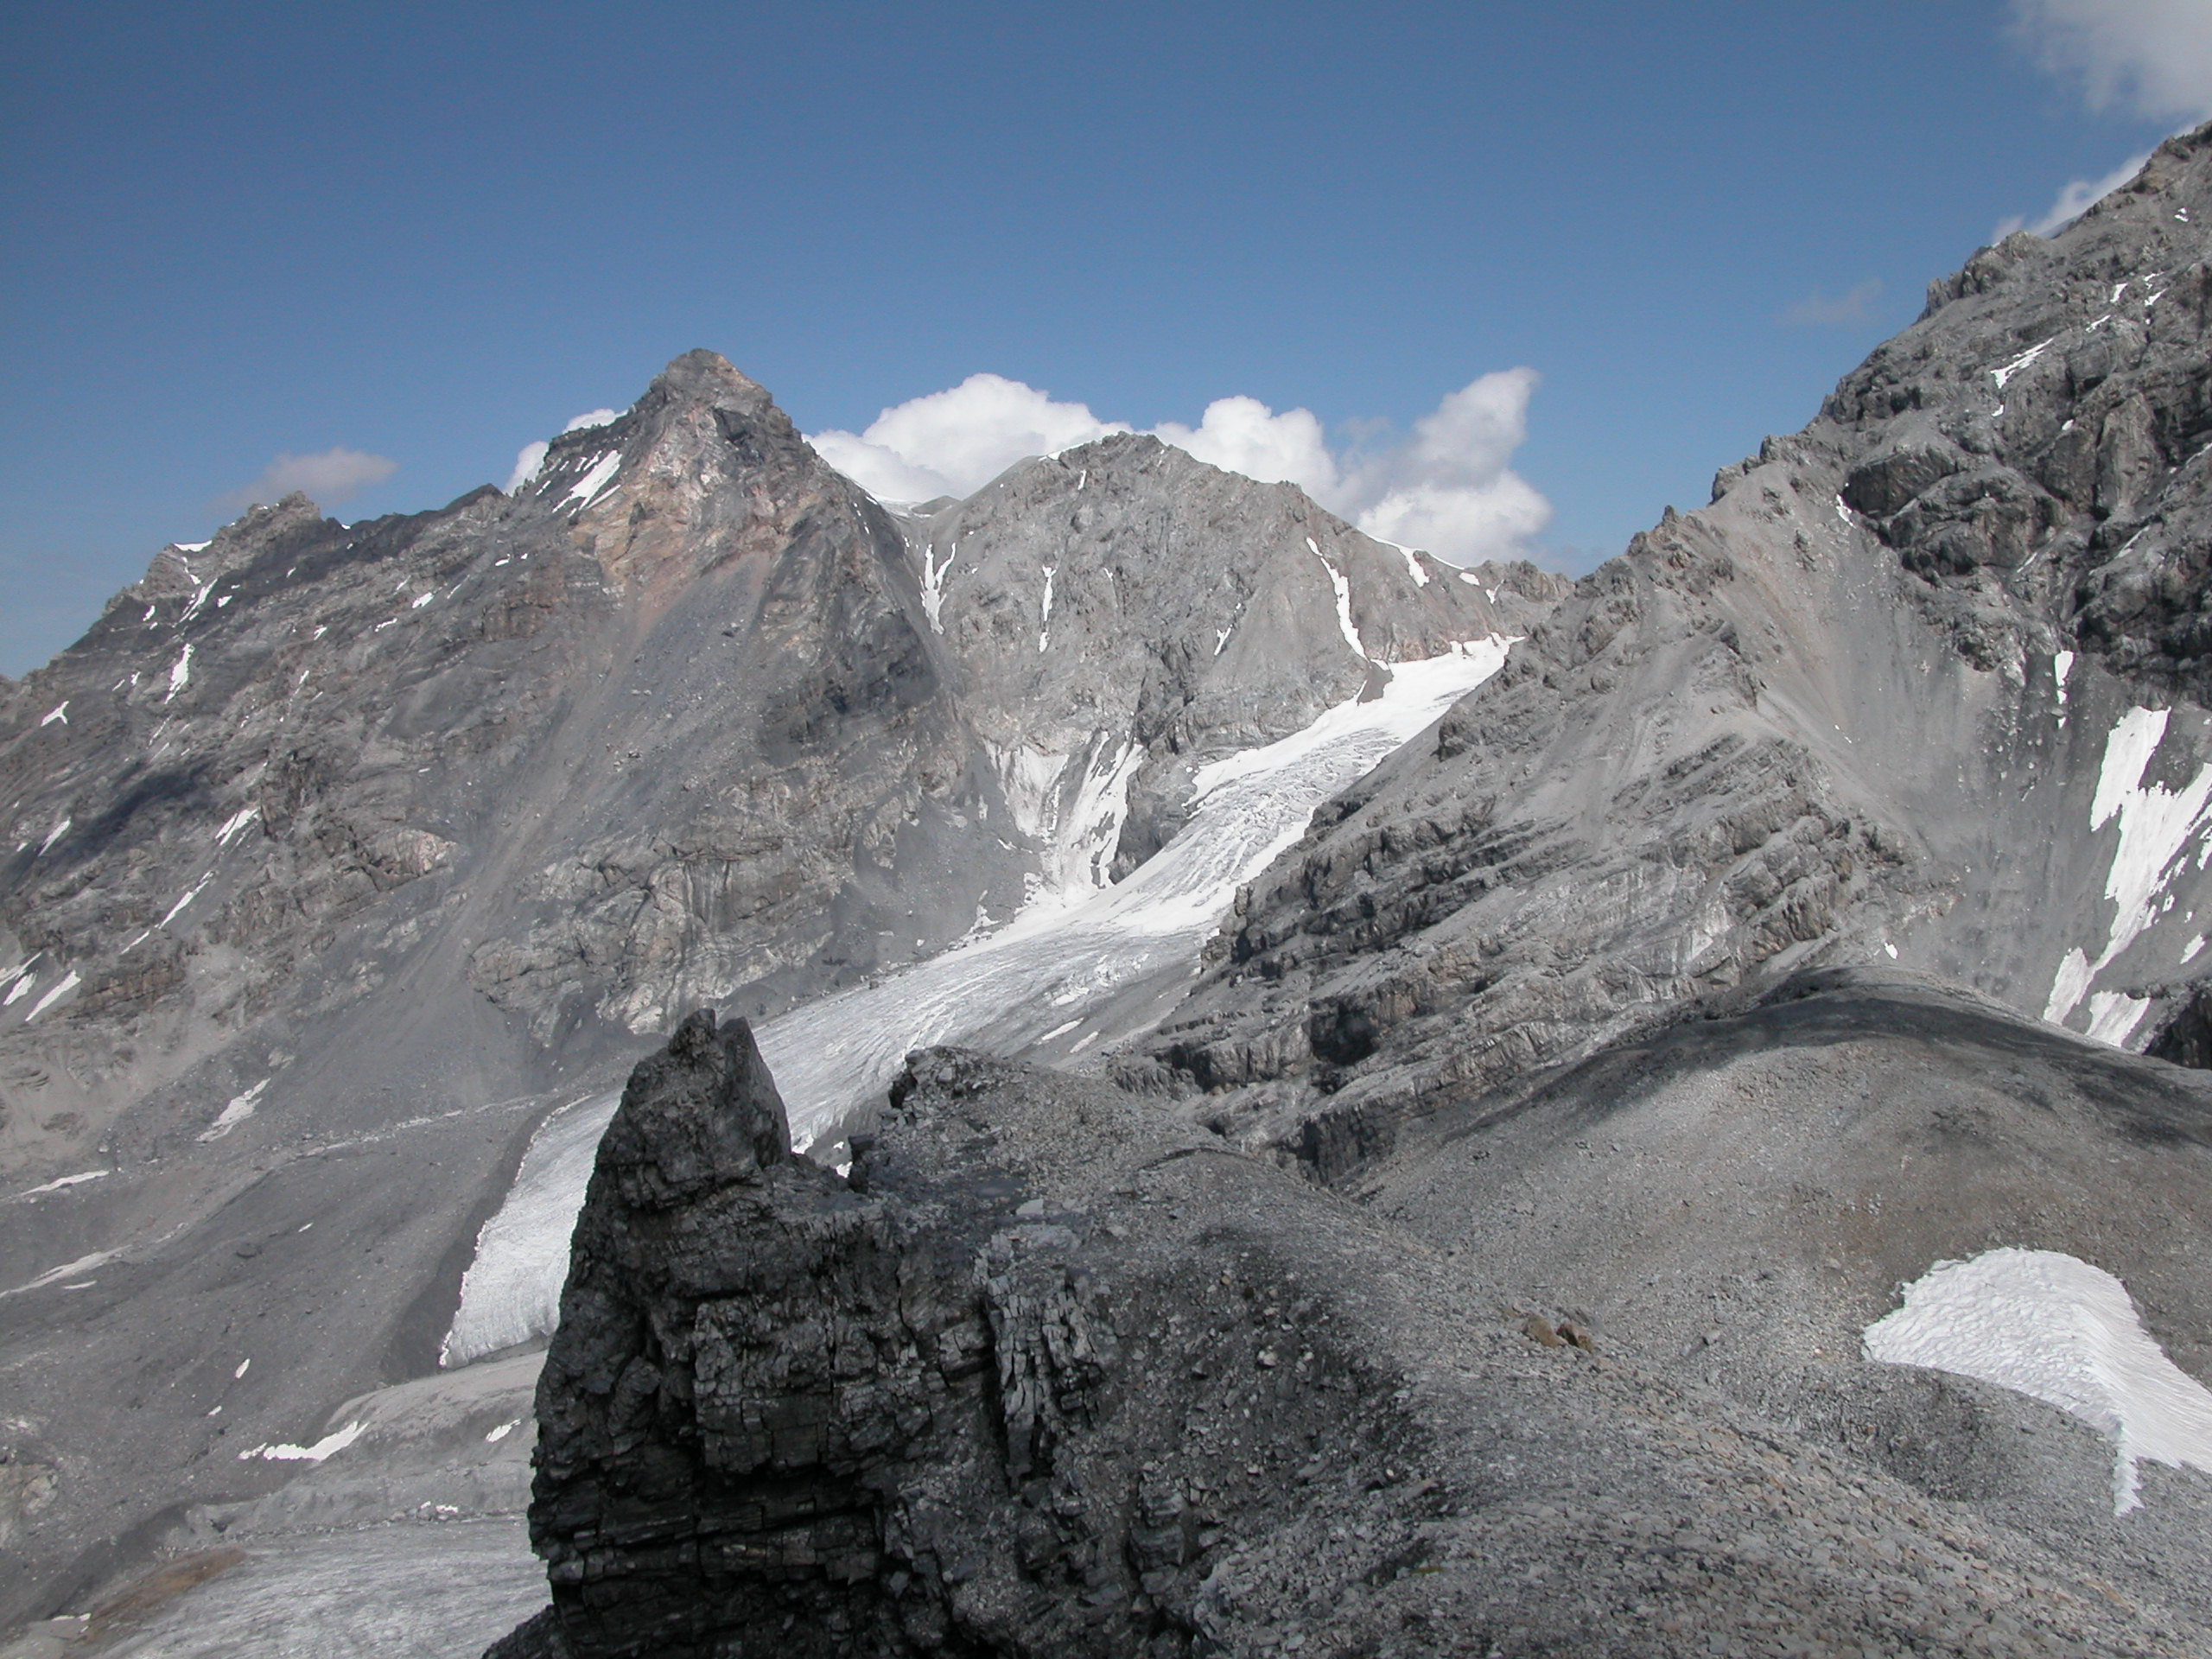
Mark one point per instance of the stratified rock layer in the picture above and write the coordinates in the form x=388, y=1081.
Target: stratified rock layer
x=1921, y=684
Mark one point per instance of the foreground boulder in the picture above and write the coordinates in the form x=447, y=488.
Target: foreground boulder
x=1055, y=1372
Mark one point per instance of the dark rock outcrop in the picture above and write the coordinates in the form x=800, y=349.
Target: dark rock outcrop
x=1055, y=1374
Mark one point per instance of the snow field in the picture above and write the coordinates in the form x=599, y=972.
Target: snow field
x=2055, y=1328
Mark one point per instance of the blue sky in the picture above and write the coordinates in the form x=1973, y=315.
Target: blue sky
x=425, y=236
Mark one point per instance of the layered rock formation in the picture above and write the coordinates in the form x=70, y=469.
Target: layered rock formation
x=1917, y=686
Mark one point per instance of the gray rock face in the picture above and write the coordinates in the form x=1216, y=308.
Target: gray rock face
x=336, y=854
x=1914, y=687
x=1056, y=1373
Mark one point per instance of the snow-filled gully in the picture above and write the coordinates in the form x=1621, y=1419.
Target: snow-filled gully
x=1060, y=965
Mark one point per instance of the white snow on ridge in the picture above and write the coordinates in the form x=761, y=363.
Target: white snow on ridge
x=2055, y=1328
x=2156, y=825
x=1051, y=966
x=60, y=711
x=1343, y=587
x=596, y=478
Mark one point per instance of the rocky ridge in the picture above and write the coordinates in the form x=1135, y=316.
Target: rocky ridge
x=1910, y=688
x=1056, y=1373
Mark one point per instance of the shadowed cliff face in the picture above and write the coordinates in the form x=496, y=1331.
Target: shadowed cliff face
x=1917, y=686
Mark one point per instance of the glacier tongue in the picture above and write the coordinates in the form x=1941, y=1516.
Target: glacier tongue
x=1100, y=964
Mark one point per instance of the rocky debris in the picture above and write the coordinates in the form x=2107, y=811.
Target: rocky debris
x=1059, y=1376
x=1835, y=716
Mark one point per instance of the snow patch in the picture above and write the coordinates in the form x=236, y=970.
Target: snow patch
x=2156, y=825
x=60, y=1182
x=2061, y=666
x=179, y=673
x=1336, y=580
x=2053, y=1327
x=933, y=575
x=66, y=1270
x=17, y=991
x=239, y=1110
x=2026, y=358
x=328, y=1445
x=69, y=983
x=55, y=834
x=191, y=893
x=60, y=711
x=2114, y=1016
x=1045, y=621
x=502, y=1431
x=511, y=1291
x=2189, y=952
x=596, y=478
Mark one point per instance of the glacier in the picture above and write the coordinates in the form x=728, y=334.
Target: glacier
x=1105, y=964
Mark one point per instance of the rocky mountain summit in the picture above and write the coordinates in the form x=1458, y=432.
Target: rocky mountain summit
x=1915, y=687
x=1489, y=1254
x=1481, y=1244
x=341, y=855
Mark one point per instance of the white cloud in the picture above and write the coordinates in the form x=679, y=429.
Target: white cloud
x=2075, y=199
x=955, y=441
x=528, y=459
x=1242, y=435
x=334, y=475
x=1448, y=488
x=593, y=417
x=2150, y=58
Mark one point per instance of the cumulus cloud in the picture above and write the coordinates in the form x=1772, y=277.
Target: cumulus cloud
x=1818, y=310
x=528, y=459
x=592, y=417
x=2075, y=199
x=2150, y=58
x=334, y=475
x=1448, y=488
x=955, y=441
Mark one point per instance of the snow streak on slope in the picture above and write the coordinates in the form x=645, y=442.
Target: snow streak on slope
x=2156, y=825
x=2054, y=1327
x=1101, y=964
